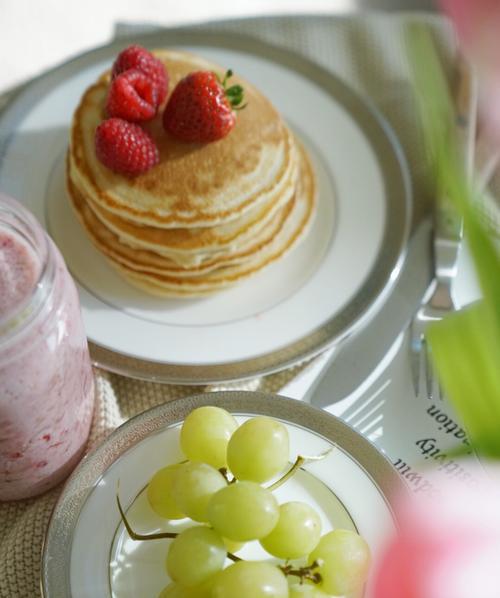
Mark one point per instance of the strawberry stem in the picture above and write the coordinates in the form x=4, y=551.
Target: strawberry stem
x=235, y=93
x=229, y=73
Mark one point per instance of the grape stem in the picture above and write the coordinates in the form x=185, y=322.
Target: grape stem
x=299, y=461
x=233, y=557
x=303, y=572
x=157, y=536
x=225, y=475
x=134, y=535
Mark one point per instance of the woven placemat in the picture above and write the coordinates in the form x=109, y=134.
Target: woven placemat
x=367, y=52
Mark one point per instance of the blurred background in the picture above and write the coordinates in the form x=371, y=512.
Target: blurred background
x=35, y=36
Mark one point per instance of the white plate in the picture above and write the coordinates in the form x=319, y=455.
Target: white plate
x=291, y=310
x=87, y=552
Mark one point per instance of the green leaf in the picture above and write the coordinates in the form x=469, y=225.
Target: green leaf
x=465, y=345
x=487, y=263
x=466, y=352
x=433, y=97
x=234, y=90
x=235, y=95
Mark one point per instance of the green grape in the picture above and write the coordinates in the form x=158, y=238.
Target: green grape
x=258, y=450
x=304, y=590
x=307, y=589
x=343, y=558
x=195, y=555
x=192, y=487
x=243, y=511
x=175, y=590
x=232, y=546
x=159, y=493
x=205, y=434
x=171, y=591
x=250, y=579
x=296, y=534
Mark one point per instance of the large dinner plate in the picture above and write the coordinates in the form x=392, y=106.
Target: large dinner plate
x=88, y=553
x=293, y=309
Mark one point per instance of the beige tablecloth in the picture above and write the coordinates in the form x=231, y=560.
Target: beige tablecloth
x=366, y=51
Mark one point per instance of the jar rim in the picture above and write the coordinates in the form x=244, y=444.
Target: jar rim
x=16, y=218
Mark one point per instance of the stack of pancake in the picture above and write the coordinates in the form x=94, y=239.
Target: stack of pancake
x=208, y=215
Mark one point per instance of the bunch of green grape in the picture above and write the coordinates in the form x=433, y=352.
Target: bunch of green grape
x=220, y=488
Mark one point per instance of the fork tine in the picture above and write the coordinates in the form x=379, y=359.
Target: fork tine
x=432, y=382
x=415, y=356
x=439, y=388
x=422, y=370
x=429, y=369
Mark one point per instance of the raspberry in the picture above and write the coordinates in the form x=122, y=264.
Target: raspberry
x=132, y=96
x=137, y=57
x=124, y=147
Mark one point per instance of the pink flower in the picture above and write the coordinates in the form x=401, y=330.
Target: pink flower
x=477, y=23
x=448, y=547
x=474, y=19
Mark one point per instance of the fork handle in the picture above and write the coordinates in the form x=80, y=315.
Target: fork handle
x=448, y=224
x=466, y=112
x=448, y=231
x=439, y=297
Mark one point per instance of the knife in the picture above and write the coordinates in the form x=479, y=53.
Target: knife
x=358, y=355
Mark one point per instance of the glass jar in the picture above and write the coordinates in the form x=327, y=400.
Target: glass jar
x=46, y=381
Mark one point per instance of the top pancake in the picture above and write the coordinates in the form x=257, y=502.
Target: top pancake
x=194, y=185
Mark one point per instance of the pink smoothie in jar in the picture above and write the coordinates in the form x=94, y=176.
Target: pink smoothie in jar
x=46, y=382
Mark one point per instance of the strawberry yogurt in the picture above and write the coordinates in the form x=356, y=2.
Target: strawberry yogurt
x=46, y=383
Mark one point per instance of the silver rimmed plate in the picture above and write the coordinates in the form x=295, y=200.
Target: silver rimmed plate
x=87, y=552
x=290, y=311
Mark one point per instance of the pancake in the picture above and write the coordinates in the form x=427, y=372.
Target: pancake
x=294, y=228
x=194, y=185
x=208, y=215
x=189, y=246
x=148, y=261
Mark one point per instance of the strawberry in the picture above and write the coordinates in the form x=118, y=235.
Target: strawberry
x=137, y=57
x=132, y=96
x=124, y=147
x=200, y=108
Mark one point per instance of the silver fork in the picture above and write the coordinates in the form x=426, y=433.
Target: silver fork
x=438, y=300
